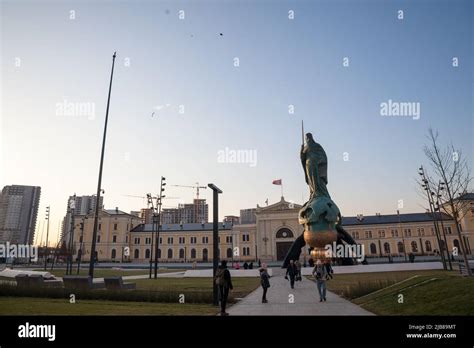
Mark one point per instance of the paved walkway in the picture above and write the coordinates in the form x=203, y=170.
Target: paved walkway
x=306, y=301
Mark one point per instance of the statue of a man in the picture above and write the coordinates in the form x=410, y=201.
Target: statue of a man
x=315, y=166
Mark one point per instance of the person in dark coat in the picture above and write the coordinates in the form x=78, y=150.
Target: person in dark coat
x=264, y=280
x=251, y=265
x=291, y=272
x=224, y=284
x=329, y=270
x=246, y=265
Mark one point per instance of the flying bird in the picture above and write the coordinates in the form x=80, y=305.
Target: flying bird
x=152, y=114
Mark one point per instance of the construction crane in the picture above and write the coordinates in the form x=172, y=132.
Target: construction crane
x=197, y=187
x=145, y=197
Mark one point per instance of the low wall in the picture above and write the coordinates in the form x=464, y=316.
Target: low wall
x=387, y=267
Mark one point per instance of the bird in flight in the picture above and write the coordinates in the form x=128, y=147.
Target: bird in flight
x=152, y=114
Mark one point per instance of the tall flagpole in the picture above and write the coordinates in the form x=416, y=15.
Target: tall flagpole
x=99, y=184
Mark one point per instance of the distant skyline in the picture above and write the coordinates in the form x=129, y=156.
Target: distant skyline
x=190, y=87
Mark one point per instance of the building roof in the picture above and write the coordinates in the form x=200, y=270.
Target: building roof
x=392, y=219
x=183, y=227
x=467, y=197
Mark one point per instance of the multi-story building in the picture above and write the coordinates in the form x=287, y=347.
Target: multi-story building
x=18, y=212
x=83, y=205
x=247, y=216
x=113, y=235
x=196, y=212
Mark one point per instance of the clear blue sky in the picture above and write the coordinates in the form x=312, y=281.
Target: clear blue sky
x=187, y=62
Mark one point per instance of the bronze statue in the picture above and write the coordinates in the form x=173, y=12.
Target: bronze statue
x=320, y=216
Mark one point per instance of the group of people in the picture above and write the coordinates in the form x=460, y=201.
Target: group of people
x=322, y=272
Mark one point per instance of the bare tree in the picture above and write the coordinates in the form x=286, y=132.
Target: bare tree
x=453, y=172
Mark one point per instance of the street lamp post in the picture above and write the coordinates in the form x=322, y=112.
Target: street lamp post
x=159, y=203
x=48, y=208
x=429, y=193
x=81, y=245
x=215, y=238
x=99, y=183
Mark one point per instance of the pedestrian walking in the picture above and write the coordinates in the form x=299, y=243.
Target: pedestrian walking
x=329, y=269
x=320, y=274
x=298, y=270
x=291, y=272
x=224, y=284
x=265, y=282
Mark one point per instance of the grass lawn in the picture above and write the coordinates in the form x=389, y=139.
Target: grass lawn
x=100, y=273
x=46, y=306
x=424, y=292
x=242, y=286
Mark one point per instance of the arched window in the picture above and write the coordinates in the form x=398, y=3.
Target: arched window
x=205, y=255
x=147, y=254
x=159, y=253
x=229, y=252
x=193, y=253
x=136, y=253
x=401, y=248
x=457, y=245
x=114, y=253
x=414, y=247
x=428, y=245
x=386, y=247
x=170, y=253
x=373, y=248
x=181, y=253
x=284, y=233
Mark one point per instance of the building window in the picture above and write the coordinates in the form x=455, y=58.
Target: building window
x=170, y=253
x=205, y=255
x=170, y=240
x=414, y=247
x=386, y=247
x=421, y=232
x=159, y=253
x=407, y=232
x=381, y=234
x=147, y=240
x=113, y=254
x=181, y=253
x=137, y=240
x=98, y=238
x=161, y=240
x=401, y=248
x=100, y=227
x=114, y=239
x=228, y=239
x=448, y=230
x=229, y=253
x=246, y=251
x=126, y=239
x=205, y=240
x=428, y=245
x=394, y=233
x=193, y=253
x=136, y=254
x=245, y=237
x=193, y=240
x=147, y=254
x=368, y=234
x=115, y=227
x=181, y=240
x=373, y=248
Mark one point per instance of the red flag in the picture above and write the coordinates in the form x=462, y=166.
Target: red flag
x=276, y=182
